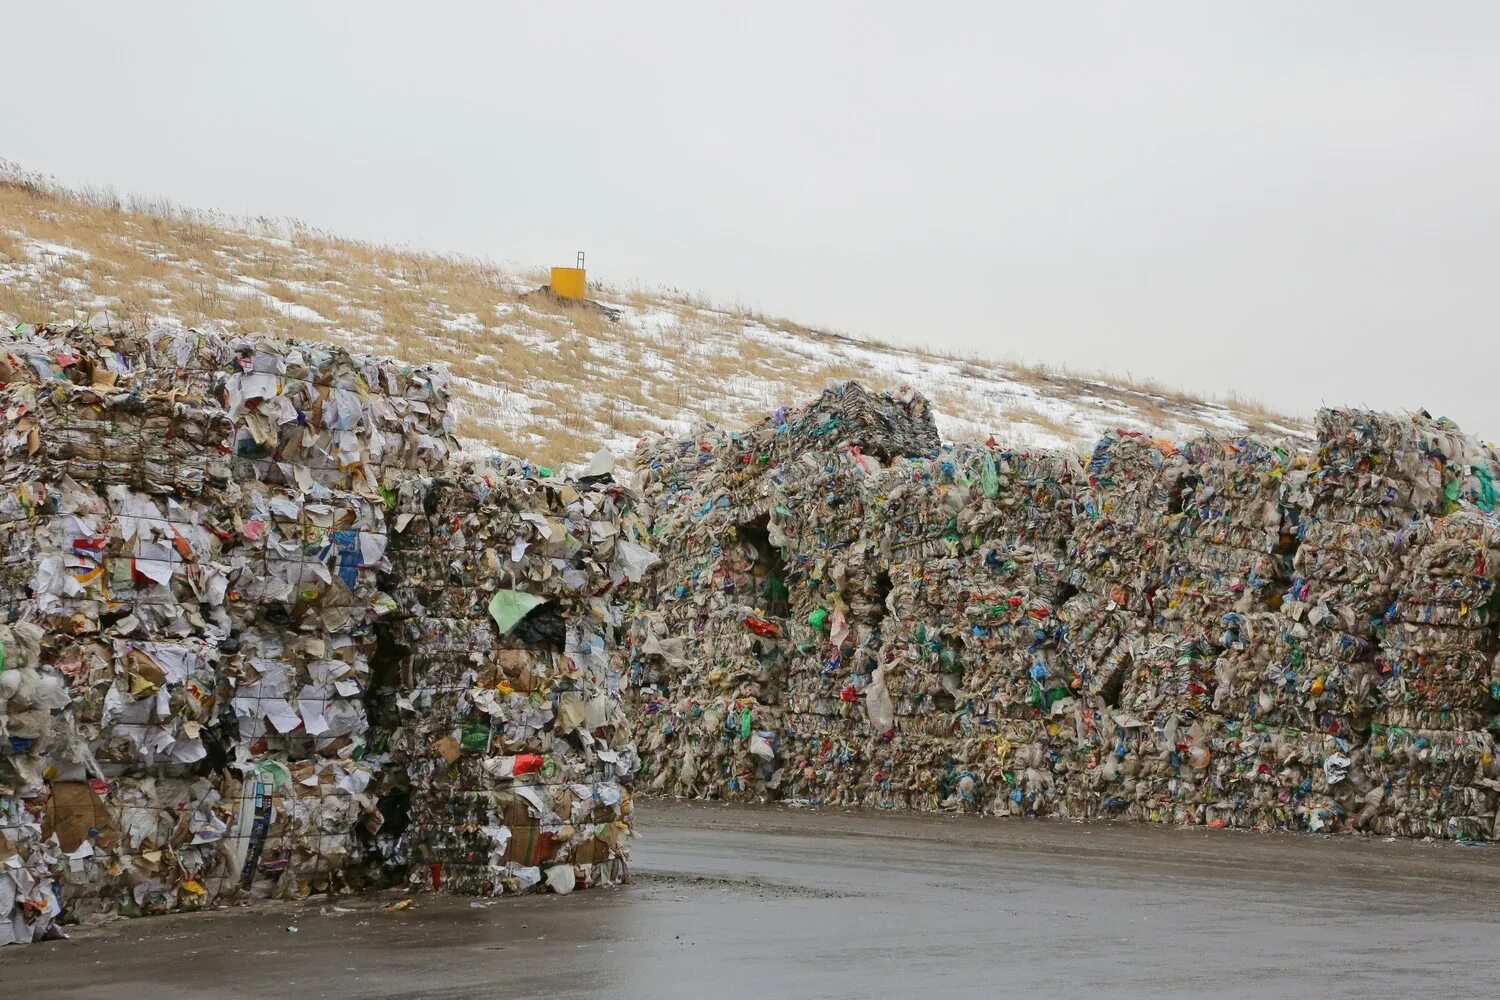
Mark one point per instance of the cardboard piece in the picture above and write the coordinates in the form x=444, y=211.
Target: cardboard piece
x=73, y=809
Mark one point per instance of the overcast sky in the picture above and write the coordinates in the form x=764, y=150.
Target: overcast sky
x=1295, y=202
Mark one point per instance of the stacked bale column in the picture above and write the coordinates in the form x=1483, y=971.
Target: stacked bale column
x=510, y=741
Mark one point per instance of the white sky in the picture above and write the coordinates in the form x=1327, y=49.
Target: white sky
x=1294, y=202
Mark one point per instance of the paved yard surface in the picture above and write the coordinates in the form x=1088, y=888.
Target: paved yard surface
x=768, y=903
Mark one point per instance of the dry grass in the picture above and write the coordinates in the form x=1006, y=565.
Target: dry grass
x=1043, y=421
x=566, y=376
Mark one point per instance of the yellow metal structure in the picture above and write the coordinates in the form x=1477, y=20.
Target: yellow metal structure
x=570, y=282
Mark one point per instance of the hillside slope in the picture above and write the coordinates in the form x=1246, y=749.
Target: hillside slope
x=534, y=376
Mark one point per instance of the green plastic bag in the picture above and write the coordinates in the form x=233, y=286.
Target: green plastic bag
x=774, y=590
x=991, y=477
x=508, y=607
x=1487, y=494
x=276, y=772
x=818, y=619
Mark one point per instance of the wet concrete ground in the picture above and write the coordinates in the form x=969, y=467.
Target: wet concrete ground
x=767, y=903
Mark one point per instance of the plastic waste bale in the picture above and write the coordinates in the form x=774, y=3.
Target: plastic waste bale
x=698, y=711
x=1342, y=581
x=1097, y=642
x=1172, y=675
x=1431, y=783
x=1226, y=546
x=1390, y=467
x=907, y=768
x=1265, y=676
x=1435, y=677
x=502, y=778
x=1435, y=660
x=884, y=425
x=1277, y=778
x=1164, y=768
x=1023, y=767
x=826, y=763
x=508, y=748
x=1102, y=771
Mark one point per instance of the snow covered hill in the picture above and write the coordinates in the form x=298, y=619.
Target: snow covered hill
x=535, y=376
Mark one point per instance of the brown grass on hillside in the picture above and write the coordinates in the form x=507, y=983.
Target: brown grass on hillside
x=567, y=376
x=1044, y=421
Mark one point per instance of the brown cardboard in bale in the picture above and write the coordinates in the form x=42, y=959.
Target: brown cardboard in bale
x=72, y=810
x=448, y=748
x=518, y=666
x=530, y=845
x=151, y=675
x=593, y=851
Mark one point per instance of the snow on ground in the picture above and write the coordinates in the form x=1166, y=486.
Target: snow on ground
x=532, y=374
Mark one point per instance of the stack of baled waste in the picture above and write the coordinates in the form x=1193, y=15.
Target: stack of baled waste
x=1134, y=679
x=1367, y=481
x=510, y=741
x=827, y=487
x=214, y=629
x=837, y=607
x=1230, y=632
x=764, y=598
x=1430, y=753
x=1435, y=659
x=971, y=643
x=707, y=634
x=1225, y=549
x=1376, y=478
x=30, y=726
x=1224, y=565
x=1114, y=562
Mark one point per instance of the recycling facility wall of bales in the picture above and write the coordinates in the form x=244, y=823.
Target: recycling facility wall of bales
x=268, y=634
x=1223, y=631
x=265, y=637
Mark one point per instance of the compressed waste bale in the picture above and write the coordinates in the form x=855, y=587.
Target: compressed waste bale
x=1208, y=633
x=1227, y=547
x=1431, y=783
x=757, y=640
x=209, y=621
x=1436, y=653
x=32, y=698
x=511, y=744
x=295, y=412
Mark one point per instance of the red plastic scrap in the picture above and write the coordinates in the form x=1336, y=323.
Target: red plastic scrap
x=760, y=626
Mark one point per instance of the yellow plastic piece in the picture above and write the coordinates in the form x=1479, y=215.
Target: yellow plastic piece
x=570, y=282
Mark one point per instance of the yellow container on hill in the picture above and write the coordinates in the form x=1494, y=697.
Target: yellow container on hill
x=570, y=282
